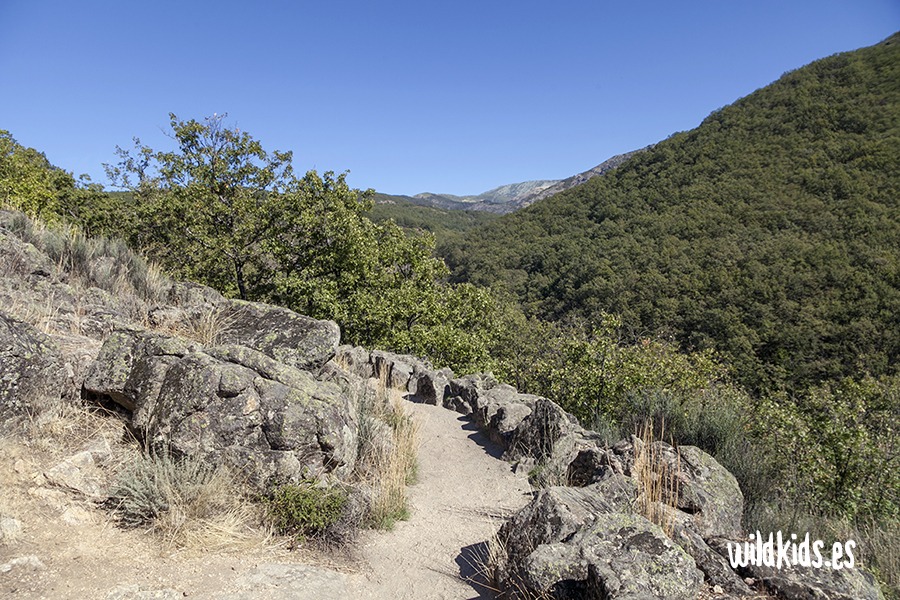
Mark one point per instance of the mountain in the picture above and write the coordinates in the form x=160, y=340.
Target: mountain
x=769, y=234
x=513, y=196
x=502, y=200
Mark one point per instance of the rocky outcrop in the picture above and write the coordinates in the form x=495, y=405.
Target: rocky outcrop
x=32, y=371
x=588, y=543
x=272, y=420
x=290, y=338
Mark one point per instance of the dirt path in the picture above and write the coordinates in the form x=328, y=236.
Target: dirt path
x=67, y=548
x=462, y=492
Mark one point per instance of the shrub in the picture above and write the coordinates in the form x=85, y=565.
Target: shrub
x=306, y=509
x=186, y=502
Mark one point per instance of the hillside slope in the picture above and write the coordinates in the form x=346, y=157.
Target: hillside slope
x=771, y=232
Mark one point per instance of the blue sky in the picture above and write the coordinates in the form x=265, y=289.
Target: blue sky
x=455, y=97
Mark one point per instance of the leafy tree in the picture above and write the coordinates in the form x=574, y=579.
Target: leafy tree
x=211, y=201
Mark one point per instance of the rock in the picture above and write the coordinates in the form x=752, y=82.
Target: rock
x=290, y=338
x=188, y=293
x=136, y=592
x=77, y=473
x=708, y=492
x=355, y=359
x=130, y=367
x=463, y=392
x=499, y=411
x=32, y=374
x=77, y=515
x=429, y=386
x=233, y=403
x=289, y=582
x=585, y=542
x=30, y=562
x=272, y=421
x=714, y=566
x=10, y=530
x=20, y=258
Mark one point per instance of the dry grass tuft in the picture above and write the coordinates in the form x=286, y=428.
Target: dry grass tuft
x=657, y=481
x=206, y=326
x=187, y=504
x=388, y=450
x=486, y=562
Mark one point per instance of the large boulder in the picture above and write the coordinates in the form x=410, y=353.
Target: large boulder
x=273, y=421
x=290, y=338
x=586, y=543
x=32, y=372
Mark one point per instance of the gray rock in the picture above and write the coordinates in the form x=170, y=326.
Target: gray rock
x=499, y=411
x=290, y=338
x=289, y=582
x=188, y=294
x=585, y=543
x=21, y=259
x=808, y=583
x=355, y=359
x=429, y=386
x=10, y=530
x=233, y=403
x=273, y=421
x=463, y=392
x=32, y=372
x=137, y=592
x=30, y=562
x=130, y=367
x=77, y=473
x=715, y=567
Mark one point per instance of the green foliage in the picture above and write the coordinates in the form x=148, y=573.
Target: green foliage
x=203, y=208
x=29, y=183
x=441, y=222
x=838, y=445
x=221, y=210
x=305, y=509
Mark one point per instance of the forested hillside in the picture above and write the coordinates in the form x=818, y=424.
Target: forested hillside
x=770, y=233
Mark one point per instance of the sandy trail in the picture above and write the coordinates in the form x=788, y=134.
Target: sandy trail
x=462, y=492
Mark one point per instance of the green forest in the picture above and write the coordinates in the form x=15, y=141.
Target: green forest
x=737, y=285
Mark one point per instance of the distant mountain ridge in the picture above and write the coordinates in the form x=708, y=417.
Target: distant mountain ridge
x=513, y=196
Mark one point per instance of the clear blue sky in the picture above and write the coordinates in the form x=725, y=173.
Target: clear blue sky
x=455, y=97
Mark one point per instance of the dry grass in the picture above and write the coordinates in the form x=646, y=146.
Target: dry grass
x=188, y=505
x=206, y=327
x=657, y=481
x=485, y=563
x=389, y=445
x=99, y=262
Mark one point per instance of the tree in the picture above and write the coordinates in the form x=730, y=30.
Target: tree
x=222, y=211
x=215, y=197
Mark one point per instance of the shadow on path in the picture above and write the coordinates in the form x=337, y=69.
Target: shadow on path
x=472, y=562
x=480, y=438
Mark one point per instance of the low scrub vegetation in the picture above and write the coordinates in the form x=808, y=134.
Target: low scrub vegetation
x=186, y=503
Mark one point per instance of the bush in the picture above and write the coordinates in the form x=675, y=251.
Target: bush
x=306, y=509
x=187, y=503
